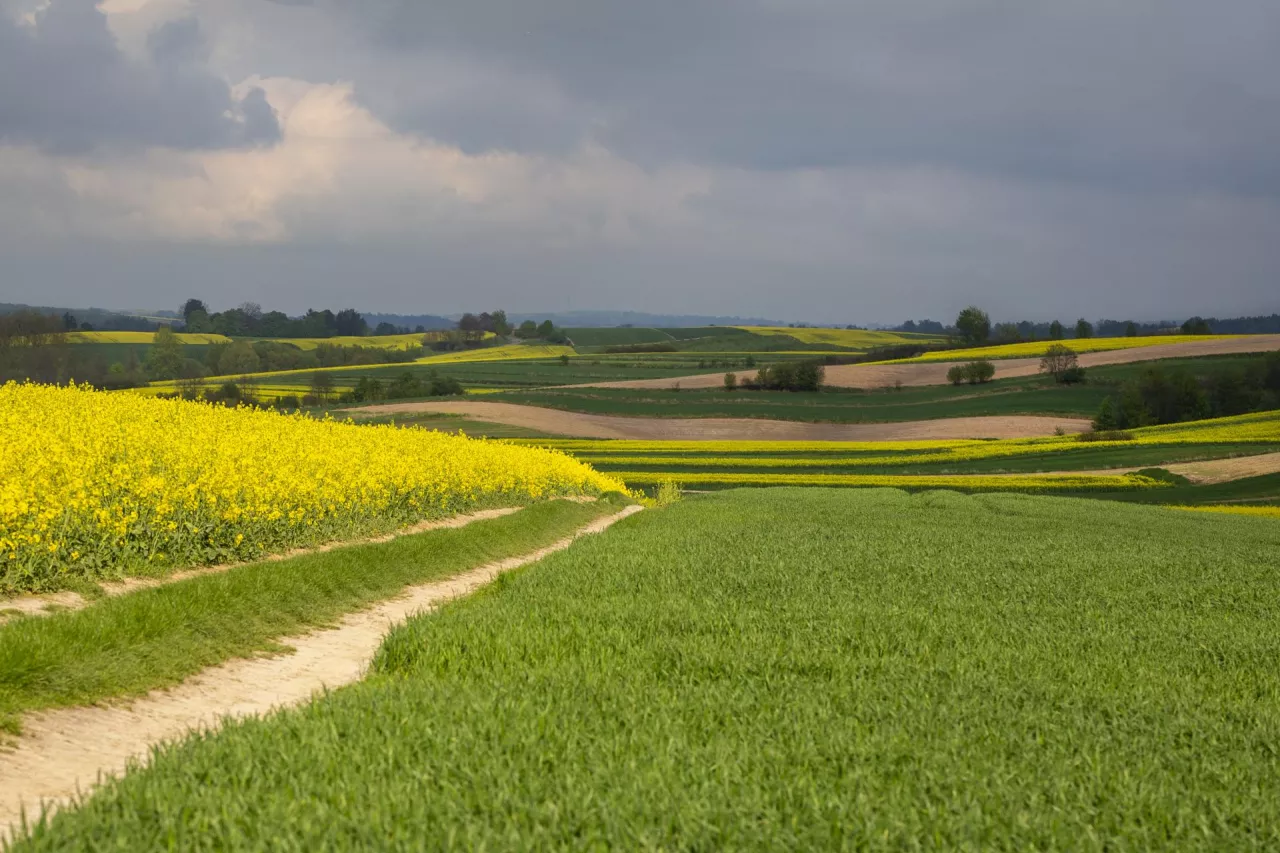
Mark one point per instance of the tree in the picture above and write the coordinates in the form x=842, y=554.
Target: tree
x=500, y=324
x=528, y=329
x=191, y=306
x=956, y=374
x=349, y=323
x=469, y=323
x=321, y=385
x=547, y=329
x=1196, y=326
x=1057, y=361
x=974, y=325
x=239, y=358
x=731, y=382
x=1131, y=330
x=164, y=359
x=69, y=321
x=252, y=310
x=1106, y=418
x=1084, y=329
x=1007, y=333
x=1056, y=331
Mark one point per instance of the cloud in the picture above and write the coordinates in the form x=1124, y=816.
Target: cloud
x=806, y=159
x=65, y=86
x=1174, y=94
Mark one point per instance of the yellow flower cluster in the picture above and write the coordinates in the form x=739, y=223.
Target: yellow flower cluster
x=1035, y=349
x=95, y=484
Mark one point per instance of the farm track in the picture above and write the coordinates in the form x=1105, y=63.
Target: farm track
x=60, y=602
x=935, y=373
x=63, y=753
x=1210, y=471
x=578, y=425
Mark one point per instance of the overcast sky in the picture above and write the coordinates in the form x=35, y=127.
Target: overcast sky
x=842, y=161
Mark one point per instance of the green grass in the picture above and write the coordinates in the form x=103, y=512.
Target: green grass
x=784, y=670
x=615, y=337
x=1263, y=490
x=1007, y=397
x=133, y=643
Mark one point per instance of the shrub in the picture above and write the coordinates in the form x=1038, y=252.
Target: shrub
x=979, y=371
x=730, y=382
x=1072, y=376
x=1057, y=360
x=956, y=374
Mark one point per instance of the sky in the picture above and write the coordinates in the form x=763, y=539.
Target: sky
x=832, y=161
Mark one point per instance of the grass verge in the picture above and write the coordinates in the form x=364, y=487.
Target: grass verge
x=155, y=637
x=784, y=669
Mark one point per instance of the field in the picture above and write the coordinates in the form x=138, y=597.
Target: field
x=974, y=641
x=97, y=485
x=850, y=339
x=1079, y=345
x=141, y=338
x=785, y=669
x=1061, y=464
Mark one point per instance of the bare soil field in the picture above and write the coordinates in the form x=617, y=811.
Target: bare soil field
x=935, y=372
x=577, y=425
x=65, y=752
x=1210, y=471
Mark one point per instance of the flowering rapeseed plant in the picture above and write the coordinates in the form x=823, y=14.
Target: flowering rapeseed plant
x=95, y=484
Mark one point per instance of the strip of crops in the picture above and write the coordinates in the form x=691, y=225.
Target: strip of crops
x=1032, y=349
x=1025, y=483
x=95, y=484
x=784, y=670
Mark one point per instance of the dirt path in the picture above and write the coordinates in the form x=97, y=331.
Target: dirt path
x=935, y=373
x=57, y=602
x=578, y=425
x=1210, y=471
x=63, y=752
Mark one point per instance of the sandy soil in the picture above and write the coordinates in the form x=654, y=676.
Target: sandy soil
x=57, y=602
x=577, y=425
x=935, y=373
x=63, y=752
x=1212, y=471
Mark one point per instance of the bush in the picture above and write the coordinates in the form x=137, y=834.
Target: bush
x=1072, y=376
x=974, y=372
x=730, y=382
x=789, y=376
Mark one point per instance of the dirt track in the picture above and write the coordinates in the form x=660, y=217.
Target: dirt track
x=64, y=751
x=935, y=373
x=577, y=425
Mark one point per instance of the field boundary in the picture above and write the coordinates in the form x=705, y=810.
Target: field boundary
x=64, y=753
x=579, y=425
x=47, y=604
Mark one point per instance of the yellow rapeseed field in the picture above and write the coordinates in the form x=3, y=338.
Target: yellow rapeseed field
x=1035, y=349
x=95, y=484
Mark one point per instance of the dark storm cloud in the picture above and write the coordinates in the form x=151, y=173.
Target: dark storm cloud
x=1151, y=95
x=65, y=86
